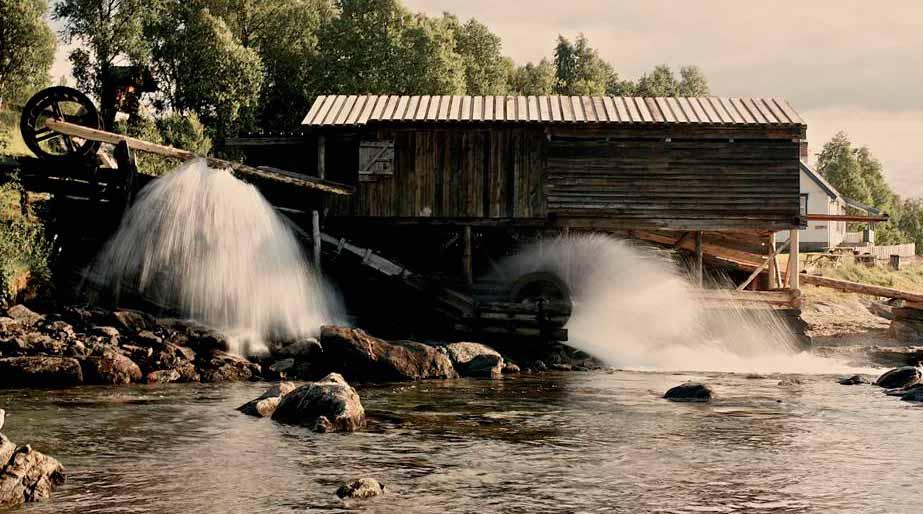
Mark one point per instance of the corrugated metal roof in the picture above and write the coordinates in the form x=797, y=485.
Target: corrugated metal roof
x=355, y=110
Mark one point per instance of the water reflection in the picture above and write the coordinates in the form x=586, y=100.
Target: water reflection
x=592, y=442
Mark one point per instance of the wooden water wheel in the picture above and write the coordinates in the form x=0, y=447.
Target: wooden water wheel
x=61, y=104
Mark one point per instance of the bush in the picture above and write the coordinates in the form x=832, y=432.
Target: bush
x=24, y=249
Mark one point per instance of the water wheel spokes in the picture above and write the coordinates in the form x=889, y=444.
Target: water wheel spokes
x=63, y=104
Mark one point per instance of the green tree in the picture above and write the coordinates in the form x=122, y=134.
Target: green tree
x=661, y=81
x=378, y=47
x=579, y=70
x=692, y=82
x=203, y=68
x=533, y=79
x=27, y=47
x=173, y=129
x=485, y=68
x=108, y=32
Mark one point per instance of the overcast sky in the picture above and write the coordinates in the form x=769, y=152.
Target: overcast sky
x=844, y=65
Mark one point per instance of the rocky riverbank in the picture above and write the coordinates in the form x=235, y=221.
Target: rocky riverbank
x=78, y=345
x=26, y=475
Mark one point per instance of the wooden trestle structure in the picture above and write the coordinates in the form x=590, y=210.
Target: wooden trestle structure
x=430, y=192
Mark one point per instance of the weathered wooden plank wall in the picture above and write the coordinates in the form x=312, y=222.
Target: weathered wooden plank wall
x=455, y=173
x=679, y=185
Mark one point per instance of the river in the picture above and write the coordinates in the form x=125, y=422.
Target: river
x=558, y=442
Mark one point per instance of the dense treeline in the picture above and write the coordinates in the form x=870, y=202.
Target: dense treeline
x=242, y=65
x=857, y=174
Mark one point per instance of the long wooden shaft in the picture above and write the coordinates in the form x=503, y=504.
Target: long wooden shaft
x=855, y=287
x=846, y=217
x=75, y=130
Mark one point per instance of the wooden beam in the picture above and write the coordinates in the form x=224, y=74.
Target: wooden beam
x=849, y=218
x=467, y=258
x=321, y=156
x=316, y=238
x=237, y=168
x=792, y=273
x=773, y=263
x=756, y=272
x=740, y=258
x=699, y=271
x=856, y=287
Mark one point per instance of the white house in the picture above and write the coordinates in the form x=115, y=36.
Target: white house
x=819, y=197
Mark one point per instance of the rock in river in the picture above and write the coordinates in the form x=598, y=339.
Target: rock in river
x=267, y=403
x=26, y=475
x=328, y=405
x=361, y=488
x=475, y=360
x=854, y=380
x=40, y=371
x=898, y=378
x=690, y=392
x=110, y=368
x=359, y=356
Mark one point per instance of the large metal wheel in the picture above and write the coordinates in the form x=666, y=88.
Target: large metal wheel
x=546, y=290
x=63, y=104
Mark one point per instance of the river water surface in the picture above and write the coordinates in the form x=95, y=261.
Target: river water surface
x=569, y=442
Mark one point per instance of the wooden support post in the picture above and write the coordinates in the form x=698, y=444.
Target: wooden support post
x=792, y=272
x=770, y=259
x=125, y=159
x=699, y=272
x=316, y=238
x=773, y=263
x=321, y=156
x=468, y=265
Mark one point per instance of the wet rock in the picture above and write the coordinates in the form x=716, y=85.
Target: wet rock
x=898, y=378
x=690, y=392
x=360, y=488
x=328, y=405
x=105, y=331
x=27, y=476
x=23, y=315
x=363, y=357
x=560, y=366
x=40, y=371
x=475, y=360
x=510, y=369
x=539, y=365
x=267, y=403
x=914, y=394
x=163, y=376
x=304, y=348
x=854, y=380
x=77, y=350
x=206, y=340
x=147, y=338
x=130, y=322
x=282, y=366
x=226, y=367
x=111, y=368
x=8, y=324
x=59, y=329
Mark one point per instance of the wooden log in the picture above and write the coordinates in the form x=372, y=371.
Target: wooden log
x=237, y=168
x=794, y=243
x=778, y=297
x=316, y=238
x=699, y=265
x=743, y=259
x=774, y=282
x=856, y=287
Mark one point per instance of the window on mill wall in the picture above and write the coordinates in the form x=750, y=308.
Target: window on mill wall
x=804, y=204
x=376, y=160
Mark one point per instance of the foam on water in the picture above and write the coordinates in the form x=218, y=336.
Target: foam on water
x=635, y=309
x=210, y=245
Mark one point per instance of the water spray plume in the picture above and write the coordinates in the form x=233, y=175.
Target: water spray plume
x=211, y=246
x=634, y=308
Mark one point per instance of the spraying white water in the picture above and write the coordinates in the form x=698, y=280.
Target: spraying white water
x=210, y=245
x=635, y=309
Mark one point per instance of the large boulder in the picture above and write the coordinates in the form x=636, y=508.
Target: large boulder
x=26, y=475
x=854, y=380
x=40, y=371
x=360, y=488
x=303, y=348
x=328, y=405
x=226, y=367
x=690, y=392
x=131, y=322
x=899, y=378
x=110, y=368
x=359, y=356
x=267, y=403
x=23, y=315
x=475, y=360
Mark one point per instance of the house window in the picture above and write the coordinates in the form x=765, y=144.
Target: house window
x=804, y=204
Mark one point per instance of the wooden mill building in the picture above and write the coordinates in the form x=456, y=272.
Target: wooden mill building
x=664, y=167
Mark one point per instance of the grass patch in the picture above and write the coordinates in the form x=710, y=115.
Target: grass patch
x=24, y=249
x=11, y=142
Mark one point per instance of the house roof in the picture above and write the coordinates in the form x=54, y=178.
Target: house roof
x=830, y=190
x=358, y=110
x=821, y=181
